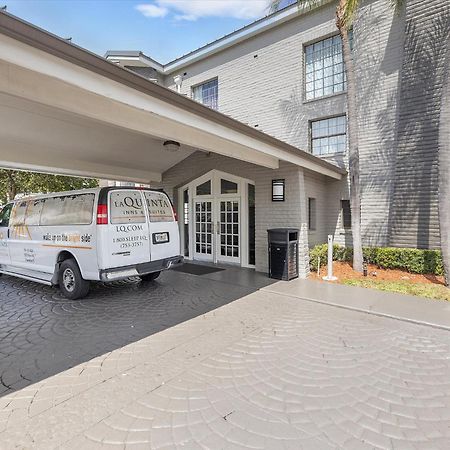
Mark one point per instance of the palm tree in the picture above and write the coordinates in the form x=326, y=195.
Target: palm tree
x=345, y=13
x=444, y=167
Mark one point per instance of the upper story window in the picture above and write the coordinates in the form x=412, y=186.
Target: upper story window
x=329, y=136
x=324, y=68
x=207, y=93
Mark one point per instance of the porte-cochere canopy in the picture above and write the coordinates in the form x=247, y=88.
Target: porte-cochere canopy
x=66, y=110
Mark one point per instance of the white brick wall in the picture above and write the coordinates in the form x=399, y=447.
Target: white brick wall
x=261, y=84
x=261, y=80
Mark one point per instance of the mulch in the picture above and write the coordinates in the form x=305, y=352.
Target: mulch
x=344, y=271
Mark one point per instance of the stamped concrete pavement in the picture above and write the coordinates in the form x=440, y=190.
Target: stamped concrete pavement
x=265, y=371
x=42, y=333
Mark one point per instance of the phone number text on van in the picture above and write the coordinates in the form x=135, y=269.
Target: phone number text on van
x=130, y=241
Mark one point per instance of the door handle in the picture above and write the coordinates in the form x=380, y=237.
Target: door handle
x=218, y=227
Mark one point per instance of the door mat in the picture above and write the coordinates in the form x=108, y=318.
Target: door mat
x=196, y=269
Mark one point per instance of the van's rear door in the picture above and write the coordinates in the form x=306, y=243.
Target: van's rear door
x=128, y=230
x=164, y=235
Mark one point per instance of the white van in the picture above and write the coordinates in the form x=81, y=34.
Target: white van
x=103, y=234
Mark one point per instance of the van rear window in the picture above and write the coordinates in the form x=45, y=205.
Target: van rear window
x=68, y=210
x=159, y=207
x=126, y=207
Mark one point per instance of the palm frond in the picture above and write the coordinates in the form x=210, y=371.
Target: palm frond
x=349, y=9
x=397, y=5
x=275, y=5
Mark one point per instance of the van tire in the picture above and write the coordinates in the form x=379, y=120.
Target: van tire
x=150, y=276
x=71, y=283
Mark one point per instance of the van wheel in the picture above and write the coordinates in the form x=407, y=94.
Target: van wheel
x=71, y=283
x=150, y=276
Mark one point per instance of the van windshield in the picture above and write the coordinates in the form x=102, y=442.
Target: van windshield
x=159, y=207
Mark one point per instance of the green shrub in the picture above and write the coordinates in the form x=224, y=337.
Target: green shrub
x=410, y=259
x=340, y=253
x=321, y=251
x=413, y=260
x=370, y=254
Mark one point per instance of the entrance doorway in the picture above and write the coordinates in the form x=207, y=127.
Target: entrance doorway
x=218, y=219
x=217, y=229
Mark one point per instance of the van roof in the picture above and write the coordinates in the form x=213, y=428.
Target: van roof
x=56, y=194
x=95, y=190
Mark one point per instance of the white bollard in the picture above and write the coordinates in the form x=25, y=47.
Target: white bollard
x=329, y=276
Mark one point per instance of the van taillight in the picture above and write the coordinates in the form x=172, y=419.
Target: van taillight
x=175, y=214
x=102, y=214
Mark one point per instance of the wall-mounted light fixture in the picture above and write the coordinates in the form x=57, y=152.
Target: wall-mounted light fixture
x=171, y=146
x=278, y=190
x=178, y=80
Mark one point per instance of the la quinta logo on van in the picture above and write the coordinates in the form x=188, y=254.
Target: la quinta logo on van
x=158, y=203
x=129, y=202
x=136, y=203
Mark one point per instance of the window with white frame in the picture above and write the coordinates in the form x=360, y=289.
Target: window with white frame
x=329, y=136
x=324, y=68
x=207, y=93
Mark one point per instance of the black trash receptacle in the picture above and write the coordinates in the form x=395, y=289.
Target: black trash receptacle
x=283, y=253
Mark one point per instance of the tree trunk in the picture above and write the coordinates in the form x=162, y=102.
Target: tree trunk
x=444, y=168
x=12, y=189
x=353, y=153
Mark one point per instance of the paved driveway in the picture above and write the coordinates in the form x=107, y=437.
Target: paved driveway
x=264, y=371
x=42, y=333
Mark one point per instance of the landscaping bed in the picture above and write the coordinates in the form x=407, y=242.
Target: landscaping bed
x=393, y=280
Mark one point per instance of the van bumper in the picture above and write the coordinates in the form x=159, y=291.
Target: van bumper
x=118, y=273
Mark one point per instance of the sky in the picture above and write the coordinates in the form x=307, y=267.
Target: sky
x=162, y=29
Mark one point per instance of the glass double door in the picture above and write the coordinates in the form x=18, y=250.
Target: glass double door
x=217, y=229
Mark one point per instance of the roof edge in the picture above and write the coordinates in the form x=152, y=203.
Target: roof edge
x=252, y=29
x=246, y=32
x=134, y=55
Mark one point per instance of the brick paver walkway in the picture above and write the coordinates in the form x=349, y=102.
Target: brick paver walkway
x=266, y=371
